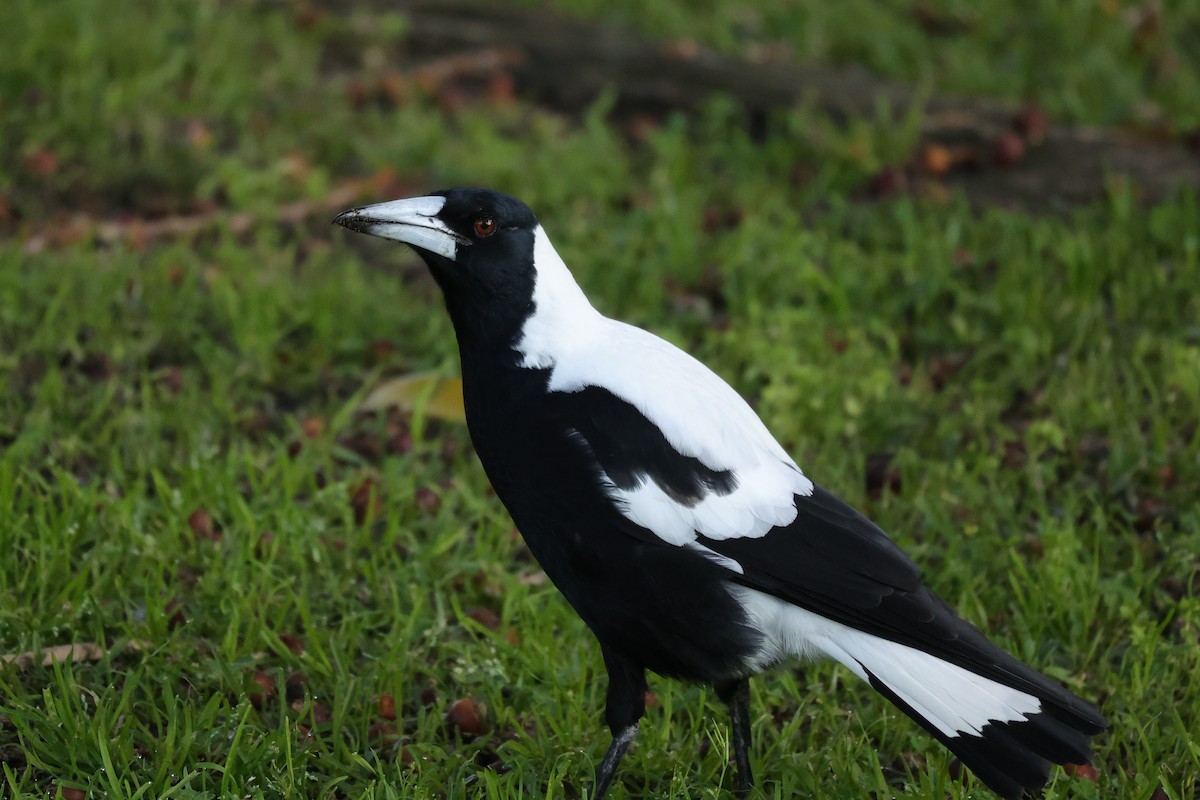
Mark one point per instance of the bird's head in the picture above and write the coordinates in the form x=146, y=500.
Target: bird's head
x=487, y=252
x=466, y=236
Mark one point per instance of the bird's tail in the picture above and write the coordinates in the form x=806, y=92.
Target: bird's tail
x=1007, y=728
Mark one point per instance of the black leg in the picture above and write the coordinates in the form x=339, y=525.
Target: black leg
x=736, y=694
x=626, y=703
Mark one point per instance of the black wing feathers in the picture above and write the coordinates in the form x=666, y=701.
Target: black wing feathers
x=834, y=561
x=830, y=550
x=630, y=448
x=831, y=560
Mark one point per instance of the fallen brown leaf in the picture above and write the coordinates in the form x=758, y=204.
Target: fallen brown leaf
x=1082, y=771
x=936, y=159
x=266, y=688
x=485, y=617
x=312, y=427
x=293, y=643
x=464, y=714
x=201, y=523
x=80, y=651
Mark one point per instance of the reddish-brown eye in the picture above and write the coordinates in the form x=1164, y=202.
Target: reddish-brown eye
x=485, y=226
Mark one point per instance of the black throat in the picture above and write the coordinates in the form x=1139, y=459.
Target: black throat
x=488, y=302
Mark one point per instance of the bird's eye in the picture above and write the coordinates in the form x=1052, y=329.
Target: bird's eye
x=485, y=226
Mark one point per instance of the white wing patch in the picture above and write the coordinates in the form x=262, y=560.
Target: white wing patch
x=699, y=414
x=762, y=501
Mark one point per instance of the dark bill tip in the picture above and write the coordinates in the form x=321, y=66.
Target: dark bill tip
x=351, y=219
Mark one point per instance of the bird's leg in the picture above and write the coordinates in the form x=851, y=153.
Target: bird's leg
x=625, y=705
x=608, y=767
x=736, y=694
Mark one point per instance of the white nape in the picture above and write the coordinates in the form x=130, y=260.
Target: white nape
x=700, y=415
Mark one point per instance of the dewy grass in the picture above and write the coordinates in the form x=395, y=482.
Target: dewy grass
x=1015, y=399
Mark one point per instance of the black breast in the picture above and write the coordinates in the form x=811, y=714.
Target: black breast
x=663, y=606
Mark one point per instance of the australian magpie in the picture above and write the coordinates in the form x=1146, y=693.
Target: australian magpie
x=682, y=533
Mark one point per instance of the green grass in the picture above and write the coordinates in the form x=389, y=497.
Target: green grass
x=1037, y=381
